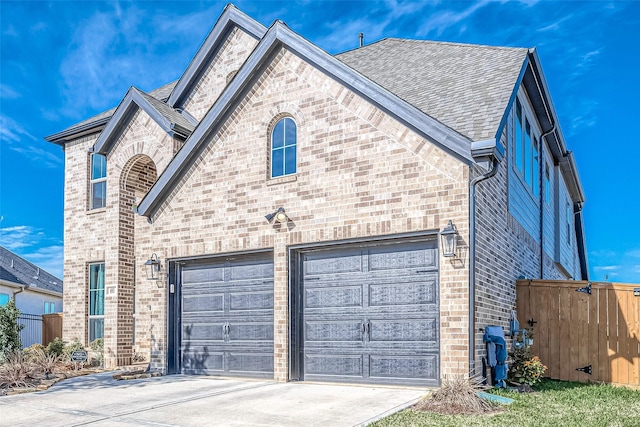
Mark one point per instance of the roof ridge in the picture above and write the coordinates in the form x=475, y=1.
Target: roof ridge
x=470, y=45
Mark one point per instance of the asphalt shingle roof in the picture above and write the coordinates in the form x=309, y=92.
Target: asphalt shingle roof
x=169, y=113
x=464, y=86
x=18, y=270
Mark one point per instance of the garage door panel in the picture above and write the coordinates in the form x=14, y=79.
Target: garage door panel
x=403, y=330
x=203, y=302
x=254, y=332
x=327, y=263
x=350, y=365
x=334, y=296
x=255, y=362
x=333, y=331
x=203, y=332
x=201, y=360
x=382, y=295
x=251, y=301
x=403, y=367
x=411, y=256
x=250, y=271
x=203, y=274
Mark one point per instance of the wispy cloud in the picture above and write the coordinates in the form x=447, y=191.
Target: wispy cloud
x=18, y=139
x=7, y=92
x=114, y=49
x=34, y=245
x=441, y=21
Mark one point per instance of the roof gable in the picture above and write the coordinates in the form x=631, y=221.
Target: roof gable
x=170, y=120
x=230, y=17
x=279, y=35
x=17, y=270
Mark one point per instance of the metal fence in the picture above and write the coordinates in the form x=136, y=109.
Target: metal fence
x=32, y=331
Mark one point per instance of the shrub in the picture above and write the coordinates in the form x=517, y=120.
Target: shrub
x=97, y=346
x=56, y=347
x=31, y=352
x=457, y=395
x=525, y=368
x=16, y=370
x=44, y=362
x=9, y=329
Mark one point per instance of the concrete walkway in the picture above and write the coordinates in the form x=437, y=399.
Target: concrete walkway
x=178, y=400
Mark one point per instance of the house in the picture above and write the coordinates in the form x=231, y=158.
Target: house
x=292, y=207
x=36, y=292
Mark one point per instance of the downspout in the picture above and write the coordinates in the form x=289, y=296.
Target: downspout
x=17, y=292
x=472, y=261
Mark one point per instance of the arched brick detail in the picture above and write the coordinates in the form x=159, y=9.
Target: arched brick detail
x=137, y=176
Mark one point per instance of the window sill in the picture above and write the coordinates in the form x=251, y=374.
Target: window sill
x=96, y=211
x=282, y=180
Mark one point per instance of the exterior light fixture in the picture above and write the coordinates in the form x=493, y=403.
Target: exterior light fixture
x=449, y=238
x=152, y=266
x=278, y=215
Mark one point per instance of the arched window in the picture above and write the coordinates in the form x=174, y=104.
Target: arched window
x=283, y=148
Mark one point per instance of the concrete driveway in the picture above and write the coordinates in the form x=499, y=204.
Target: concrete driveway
x=178, y=400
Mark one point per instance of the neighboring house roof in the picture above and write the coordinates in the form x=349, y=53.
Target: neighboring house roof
x=467, y=87
x=18, y=271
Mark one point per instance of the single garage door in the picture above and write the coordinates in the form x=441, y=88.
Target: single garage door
x=371, y=314
x=227, y=316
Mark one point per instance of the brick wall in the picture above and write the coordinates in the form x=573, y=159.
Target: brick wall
x=505, y=251
x=360, y=173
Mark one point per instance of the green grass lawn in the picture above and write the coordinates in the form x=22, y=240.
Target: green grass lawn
x=556, y=403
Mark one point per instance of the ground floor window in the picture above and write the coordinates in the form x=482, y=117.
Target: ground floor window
x=96, y=301
x=4, y=299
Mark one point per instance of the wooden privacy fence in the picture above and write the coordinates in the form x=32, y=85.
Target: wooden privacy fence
x=583, y=331
x=51, y=327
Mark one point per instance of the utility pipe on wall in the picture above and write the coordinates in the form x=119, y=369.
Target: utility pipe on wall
x=472, y=262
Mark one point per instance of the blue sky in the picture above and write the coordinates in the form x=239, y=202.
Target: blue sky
x=64, y=61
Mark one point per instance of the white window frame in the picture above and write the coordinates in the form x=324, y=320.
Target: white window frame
x=95, y=317
x=283, y=149
x=93, y=182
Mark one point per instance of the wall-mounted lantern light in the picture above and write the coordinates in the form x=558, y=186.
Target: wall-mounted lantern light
x=449, y=238
x=152, y=266
x=278, y=215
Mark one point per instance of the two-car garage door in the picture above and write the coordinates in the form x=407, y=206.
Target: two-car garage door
x=360, y=313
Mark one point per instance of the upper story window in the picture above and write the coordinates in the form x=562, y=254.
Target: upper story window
x=98, y=197
x=283, y=148
x=526, y=150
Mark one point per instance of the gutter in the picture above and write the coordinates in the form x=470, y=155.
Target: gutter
x=22, y=288
x=487, y=154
